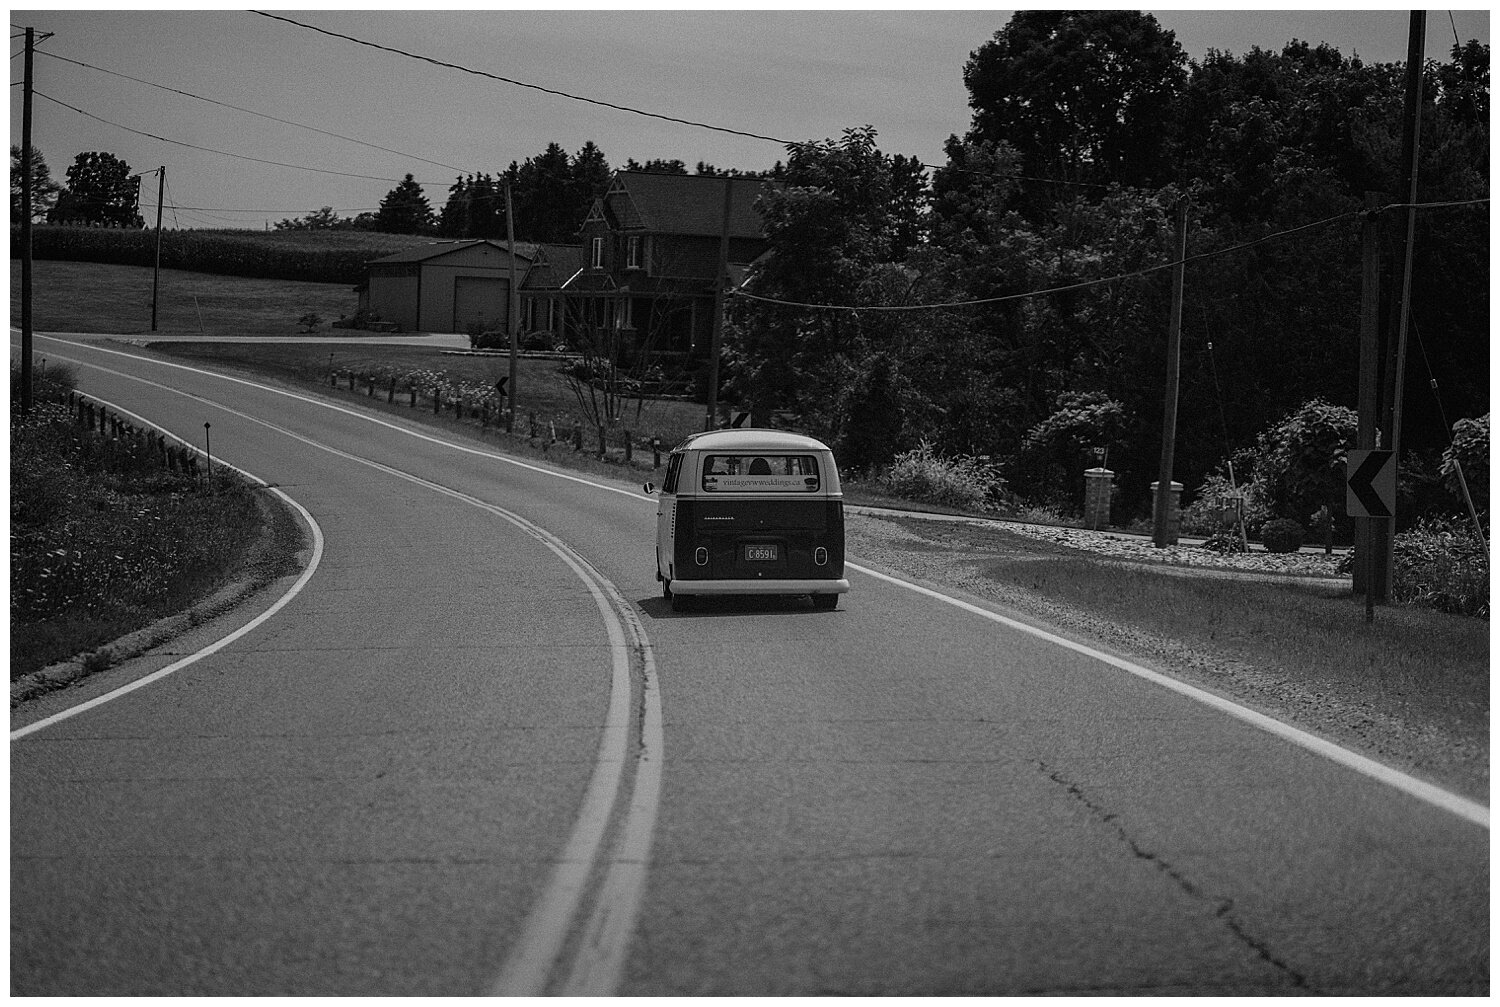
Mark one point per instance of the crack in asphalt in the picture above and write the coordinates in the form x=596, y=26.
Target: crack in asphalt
x=1224, y=906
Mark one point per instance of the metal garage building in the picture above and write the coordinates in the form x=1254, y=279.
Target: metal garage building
x=445, y=286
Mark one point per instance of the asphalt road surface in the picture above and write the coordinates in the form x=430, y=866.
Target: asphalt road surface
x=472, y=751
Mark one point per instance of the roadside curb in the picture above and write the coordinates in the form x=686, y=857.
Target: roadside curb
x=245, y=583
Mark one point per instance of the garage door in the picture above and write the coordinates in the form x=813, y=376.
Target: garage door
x=479, y=300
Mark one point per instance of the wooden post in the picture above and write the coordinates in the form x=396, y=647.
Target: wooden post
x=1369, y=540
x=26, y=258
x=161, y=193
x=721, y=283
x=511, y=320
x=1174, y=359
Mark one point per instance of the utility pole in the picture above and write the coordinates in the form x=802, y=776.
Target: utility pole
x=1411, y=132
x=1163, y=500
x=511, y=321
x=1370, y=536
x=161, y=191
x=1410, y=146
x=716, y=342
x=26, y=184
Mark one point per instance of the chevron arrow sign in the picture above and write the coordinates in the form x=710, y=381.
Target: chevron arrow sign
x=1371, y=487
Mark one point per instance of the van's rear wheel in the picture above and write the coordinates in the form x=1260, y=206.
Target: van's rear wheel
x=682, y=602
x=826, y=602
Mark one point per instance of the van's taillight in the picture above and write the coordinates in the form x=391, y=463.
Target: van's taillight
x=820, y=556
x=701, y=556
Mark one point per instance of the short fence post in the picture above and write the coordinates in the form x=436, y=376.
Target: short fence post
x=390, y=394
x=413, y=390
x=577, y=436
x=656, y=452
x=351, y=381
x=531, y=420
x=370, y=387
x=437, y=401
x=628, y=454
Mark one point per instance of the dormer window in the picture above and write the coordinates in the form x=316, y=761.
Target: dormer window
x=597, y=254
x=633, y=252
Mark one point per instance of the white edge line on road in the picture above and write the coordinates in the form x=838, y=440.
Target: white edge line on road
x=292, y=592
x=529, y=964
x=1464, y=808
x=356, y=413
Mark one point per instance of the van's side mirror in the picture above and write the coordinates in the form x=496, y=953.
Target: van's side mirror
x=650, y=488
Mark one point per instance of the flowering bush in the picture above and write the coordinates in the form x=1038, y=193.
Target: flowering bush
x=963, y=482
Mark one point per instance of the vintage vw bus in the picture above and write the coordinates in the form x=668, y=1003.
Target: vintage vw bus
x=750, y=512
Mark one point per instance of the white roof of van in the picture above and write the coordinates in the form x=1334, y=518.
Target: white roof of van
x=752, y=440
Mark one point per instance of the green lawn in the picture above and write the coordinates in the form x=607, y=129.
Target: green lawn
x=96, y=297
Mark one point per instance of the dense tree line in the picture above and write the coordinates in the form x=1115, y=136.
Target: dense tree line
x=1074, y=175
x=1089, y=129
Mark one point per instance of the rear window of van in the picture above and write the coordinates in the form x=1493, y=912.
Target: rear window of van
x=758, y=473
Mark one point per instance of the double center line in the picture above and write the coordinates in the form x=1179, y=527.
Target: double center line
x=542, y=960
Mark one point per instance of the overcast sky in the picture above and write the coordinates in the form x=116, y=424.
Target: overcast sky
x=791, y=75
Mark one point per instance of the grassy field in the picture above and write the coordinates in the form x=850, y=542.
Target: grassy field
x=96, y=297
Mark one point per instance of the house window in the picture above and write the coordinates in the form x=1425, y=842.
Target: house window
x=598, y=253
x=633, y=252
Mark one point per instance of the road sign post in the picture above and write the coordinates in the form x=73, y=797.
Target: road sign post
x=1370, y=492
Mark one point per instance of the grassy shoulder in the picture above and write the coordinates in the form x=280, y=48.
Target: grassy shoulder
x=1410, y=689
x=108, y=537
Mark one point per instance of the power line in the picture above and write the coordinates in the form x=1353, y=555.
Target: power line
x=251, y=111
x=627, y=108
x=521, y=83
x=211, y=150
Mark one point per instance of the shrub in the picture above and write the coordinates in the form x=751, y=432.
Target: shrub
x=963, y=482
x=1471, y=448
x=1298, y=461
x=1441, y=564
x=1282, y=535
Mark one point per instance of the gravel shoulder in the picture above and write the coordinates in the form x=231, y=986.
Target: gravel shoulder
x=1433, y=738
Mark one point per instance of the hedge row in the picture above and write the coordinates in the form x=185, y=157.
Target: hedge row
x=316, y=257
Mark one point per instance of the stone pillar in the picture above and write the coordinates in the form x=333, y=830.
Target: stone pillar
x=1174, y=510
x=1098, y=486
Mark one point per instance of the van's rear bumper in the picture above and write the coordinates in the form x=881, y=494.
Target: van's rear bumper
x=761, y=586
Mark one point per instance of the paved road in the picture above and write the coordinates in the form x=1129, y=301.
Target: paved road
x=476, y=753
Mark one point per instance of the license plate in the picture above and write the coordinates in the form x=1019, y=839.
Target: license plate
x=760, y=554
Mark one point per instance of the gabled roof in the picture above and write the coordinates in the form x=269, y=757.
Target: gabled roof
x=553, y=266
x=435, y=249
x=685, y=204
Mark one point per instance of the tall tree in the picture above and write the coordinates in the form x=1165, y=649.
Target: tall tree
x=44, y=190
x=101, y=192
x=844, y=212
x=543, y=194
x=657, y=166
x=1083, y=96
x=591, y=175
x=405, y=210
